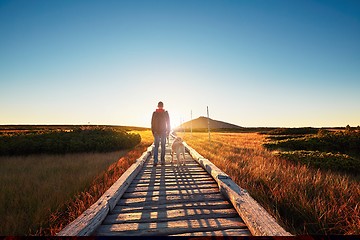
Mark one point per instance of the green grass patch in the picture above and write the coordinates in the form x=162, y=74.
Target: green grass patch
x=342, y=142
x=324, y=160
x=337, y=151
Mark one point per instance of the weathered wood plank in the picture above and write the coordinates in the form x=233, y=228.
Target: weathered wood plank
x=226, y=232
x=146, y=216
x=216, y=204
x=173, y=175
x=168, y=166
x=172, y=179
x=163, y=180
x=173, y=182
x=167, y=176
x=193, y=168
x=170, y=227
x=148, y=187
x=181, y=192
x=170, y=199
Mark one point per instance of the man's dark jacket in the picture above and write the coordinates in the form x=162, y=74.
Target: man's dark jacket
x=160, y=122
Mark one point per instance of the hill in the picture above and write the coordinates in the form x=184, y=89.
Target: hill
x=201, y=123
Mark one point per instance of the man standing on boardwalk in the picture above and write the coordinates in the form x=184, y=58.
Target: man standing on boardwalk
x=160, y=127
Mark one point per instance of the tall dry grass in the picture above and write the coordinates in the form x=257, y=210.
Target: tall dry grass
x=303, y=200
x=40, y=194
x=83, y=200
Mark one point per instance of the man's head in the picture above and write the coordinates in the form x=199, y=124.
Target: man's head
x=160, y=105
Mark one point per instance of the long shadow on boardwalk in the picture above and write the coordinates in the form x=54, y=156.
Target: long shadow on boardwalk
x=171, y=200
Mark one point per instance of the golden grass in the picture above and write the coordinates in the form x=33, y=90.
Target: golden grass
x=40, y=194
x=303, y=200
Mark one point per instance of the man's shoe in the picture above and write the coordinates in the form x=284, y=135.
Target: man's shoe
x=155, y=164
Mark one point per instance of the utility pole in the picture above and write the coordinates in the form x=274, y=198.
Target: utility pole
x=191, y=124
x=207, y=109
x=182, y=123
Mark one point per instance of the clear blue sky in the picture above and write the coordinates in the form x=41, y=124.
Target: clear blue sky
x=254, y=63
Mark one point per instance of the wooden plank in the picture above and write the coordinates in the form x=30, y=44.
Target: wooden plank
x=148, y=187
x=169, y=199
x=173, y=183
x=181, y=192
x=176, y=176
x=170, y=227
x=162, y=181
x=226, y=232
x=166, y=176
x=146, y=216
x=162, y=177
x=193, y=168
x=216, y=204
x=188, y=164
x=173, y=175
x=208, y=180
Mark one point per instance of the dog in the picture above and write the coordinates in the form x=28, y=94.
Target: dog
x=178, y=148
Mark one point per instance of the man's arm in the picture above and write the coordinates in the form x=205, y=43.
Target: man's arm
x=152, y=123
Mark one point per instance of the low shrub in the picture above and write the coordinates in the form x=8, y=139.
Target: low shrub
x=79, y=140
x=335, y=142
x=323, y=160
x=293, y=131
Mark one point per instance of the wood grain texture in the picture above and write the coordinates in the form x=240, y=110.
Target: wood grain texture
x=145, y=216
x=170, y=227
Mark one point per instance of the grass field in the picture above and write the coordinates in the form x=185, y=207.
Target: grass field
x=304, y=200
x=40, y=194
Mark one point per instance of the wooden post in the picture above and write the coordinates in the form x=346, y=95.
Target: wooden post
x=207, y=109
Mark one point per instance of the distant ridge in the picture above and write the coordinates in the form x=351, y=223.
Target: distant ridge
x=202, y=123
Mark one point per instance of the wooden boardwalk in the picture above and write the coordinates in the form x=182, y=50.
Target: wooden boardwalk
x=171, y=200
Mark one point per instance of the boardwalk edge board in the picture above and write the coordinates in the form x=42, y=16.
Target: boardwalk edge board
x=89, y=220
x=258, y=220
